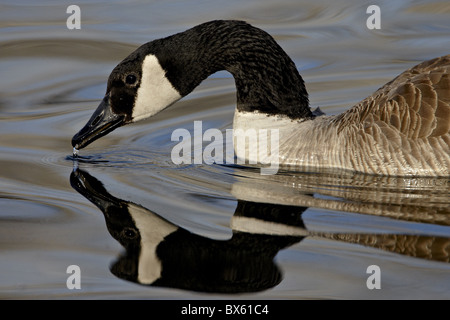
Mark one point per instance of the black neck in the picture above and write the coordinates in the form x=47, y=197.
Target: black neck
x=266, y=78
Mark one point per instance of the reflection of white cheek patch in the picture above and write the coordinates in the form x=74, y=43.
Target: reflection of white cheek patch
x=155, y=92
x=153, y=229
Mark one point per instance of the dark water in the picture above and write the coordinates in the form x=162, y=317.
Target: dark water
x=229, y=229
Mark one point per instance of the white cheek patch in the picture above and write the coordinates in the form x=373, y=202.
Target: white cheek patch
x=155, y=92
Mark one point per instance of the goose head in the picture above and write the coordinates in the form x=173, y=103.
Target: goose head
x=162, y=71
x=137, y=89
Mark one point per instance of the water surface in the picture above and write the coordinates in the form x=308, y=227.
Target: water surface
x=233, y=233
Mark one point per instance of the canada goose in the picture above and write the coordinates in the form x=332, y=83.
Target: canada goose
x=400, y=130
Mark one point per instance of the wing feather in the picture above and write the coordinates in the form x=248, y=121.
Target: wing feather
x=406, y=122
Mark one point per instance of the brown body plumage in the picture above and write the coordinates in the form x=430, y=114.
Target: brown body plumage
x=403, y=129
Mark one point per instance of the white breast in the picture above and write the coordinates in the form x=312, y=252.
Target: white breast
x=301, y=143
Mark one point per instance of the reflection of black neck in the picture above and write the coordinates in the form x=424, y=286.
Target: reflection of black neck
x=285, y=214
x=242, y=264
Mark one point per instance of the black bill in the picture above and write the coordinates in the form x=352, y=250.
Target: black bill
x=102, y=122
x=93, y=190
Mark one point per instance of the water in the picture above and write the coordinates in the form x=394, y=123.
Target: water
x=290, y=236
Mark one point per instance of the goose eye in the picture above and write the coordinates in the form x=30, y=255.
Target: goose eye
x=130, y=79
x=129, y=233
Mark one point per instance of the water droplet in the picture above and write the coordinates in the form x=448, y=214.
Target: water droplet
x=75, y=152
x=75, y=165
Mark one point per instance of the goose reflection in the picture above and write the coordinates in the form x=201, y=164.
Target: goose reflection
x=160, y=253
